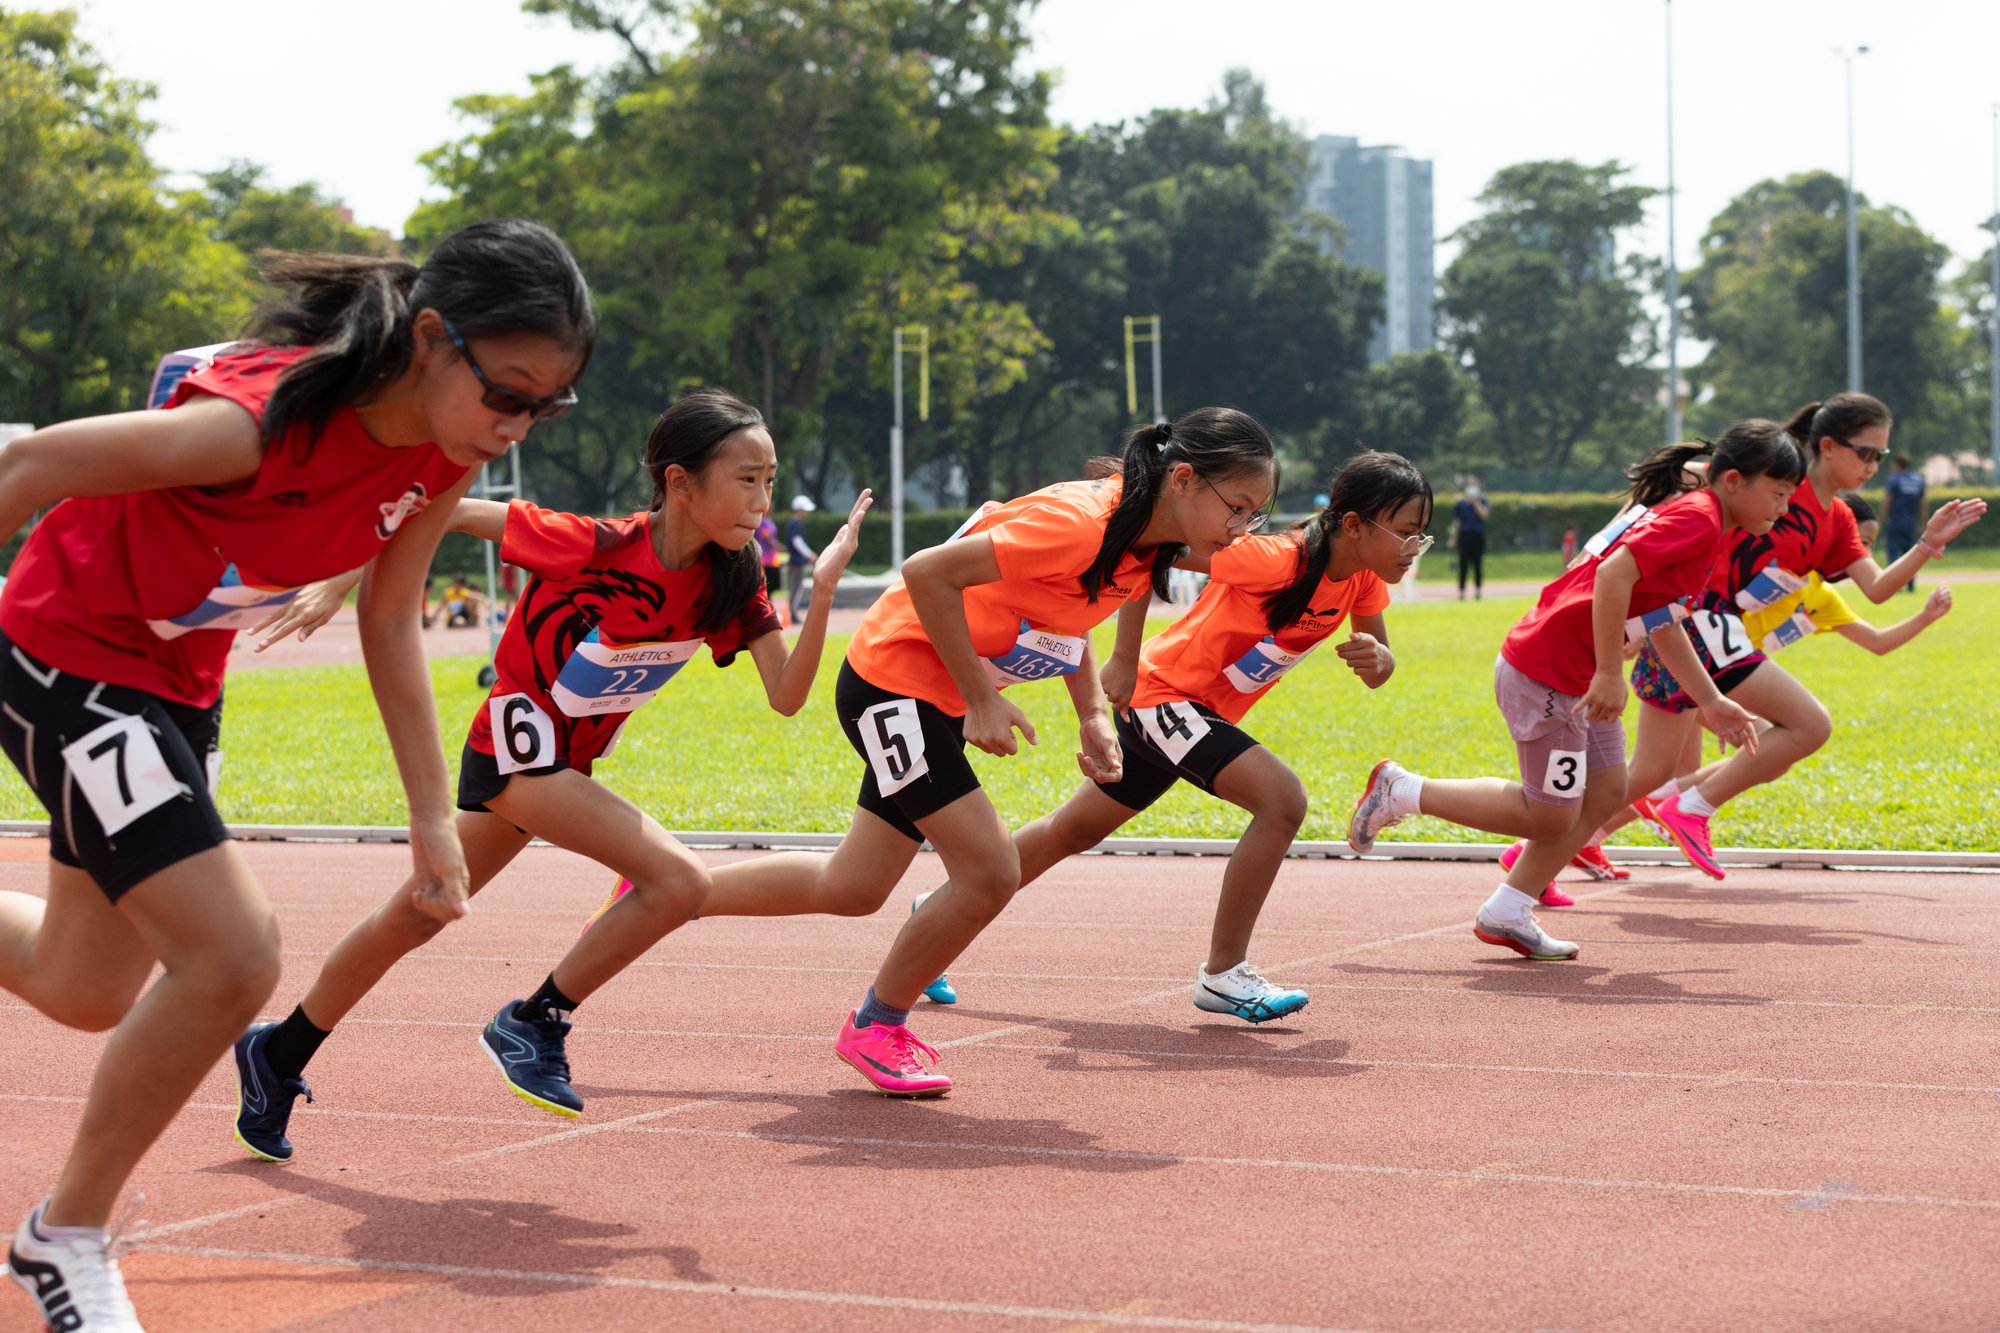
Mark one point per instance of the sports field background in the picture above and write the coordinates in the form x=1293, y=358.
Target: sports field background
x=1911, y=764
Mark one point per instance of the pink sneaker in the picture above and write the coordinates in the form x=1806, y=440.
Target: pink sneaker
x=893, y=1059
x=1690, y=834
x=1551, y=895
x=624, y=887
x=1593, y=862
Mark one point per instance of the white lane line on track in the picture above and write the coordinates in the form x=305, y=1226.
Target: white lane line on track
x=739, y=1291
x=1331, y=1168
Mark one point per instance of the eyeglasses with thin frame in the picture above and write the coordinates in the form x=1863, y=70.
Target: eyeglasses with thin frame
x=1240, y=519
x=1412, y=545
x=512, y=402
x=1861, y=451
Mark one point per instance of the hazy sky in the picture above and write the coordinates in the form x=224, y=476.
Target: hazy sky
x=350, y=94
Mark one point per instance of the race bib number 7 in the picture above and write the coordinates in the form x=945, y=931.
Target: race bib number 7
x=121, y=772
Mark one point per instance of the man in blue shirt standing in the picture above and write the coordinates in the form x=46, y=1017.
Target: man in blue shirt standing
x=1906, y=509
x=801, y=553
x=1468, y=538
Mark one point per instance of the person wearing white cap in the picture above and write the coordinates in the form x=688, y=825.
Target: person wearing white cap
x=802, y=555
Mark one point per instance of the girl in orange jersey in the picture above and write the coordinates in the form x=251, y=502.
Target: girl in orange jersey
x=1270, y=601
x=1012, y=599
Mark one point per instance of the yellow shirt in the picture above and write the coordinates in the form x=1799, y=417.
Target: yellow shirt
x=1813, y=609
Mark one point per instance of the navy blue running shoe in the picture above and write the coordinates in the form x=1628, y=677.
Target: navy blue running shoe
x=263, y=1100
x=530, y=1056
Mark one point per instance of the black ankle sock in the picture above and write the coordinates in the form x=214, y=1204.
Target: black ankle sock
x=549, y=997
x=293, y=1044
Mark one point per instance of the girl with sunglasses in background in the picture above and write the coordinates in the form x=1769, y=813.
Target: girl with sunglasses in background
x=1845, y=438
x=1560, y=679
x=341, y=436
x=1270, y=601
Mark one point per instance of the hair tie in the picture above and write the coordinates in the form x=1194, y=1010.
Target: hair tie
x=1166, y=436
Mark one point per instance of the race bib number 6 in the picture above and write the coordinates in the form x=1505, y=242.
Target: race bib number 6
x=121, y=772
x=1724, y=636
x=523, y=735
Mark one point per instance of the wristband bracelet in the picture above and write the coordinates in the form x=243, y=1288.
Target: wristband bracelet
x=1934, y=552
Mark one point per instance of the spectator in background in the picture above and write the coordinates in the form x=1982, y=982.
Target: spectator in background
x=1905, y=488
x=774, y=560
x=1468, y=538
x=801, y=554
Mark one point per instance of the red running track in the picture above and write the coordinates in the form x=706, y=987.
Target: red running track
x=1766, y=1104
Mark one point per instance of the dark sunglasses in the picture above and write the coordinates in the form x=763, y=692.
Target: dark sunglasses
x=511, y=402
x=1861, y=451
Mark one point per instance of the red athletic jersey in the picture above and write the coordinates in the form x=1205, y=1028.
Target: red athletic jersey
x=148, y=589
x=1809, y=538
x=1222, y=654
x=1675, y=546
x=1031, y=623
x=599, y=629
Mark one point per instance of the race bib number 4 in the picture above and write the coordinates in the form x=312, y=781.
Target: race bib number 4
x=604, y=677
x=1173, y=728
x=1262, y=666
x=1724, y=636
x=232, y=604
x=523, y=735
x=1036, y=655
x=893, y=739
x=121, y=772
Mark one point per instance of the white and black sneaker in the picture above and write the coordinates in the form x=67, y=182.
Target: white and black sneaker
x=1243, y=992
x=75, y=1280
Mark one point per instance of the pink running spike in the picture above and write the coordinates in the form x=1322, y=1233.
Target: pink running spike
x=892, y=1058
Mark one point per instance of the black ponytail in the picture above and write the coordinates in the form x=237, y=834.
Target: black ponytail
x=1663, y=474
x=1838, y=417
x=1374, y=485
x=492, y=279
x=690, y=434
x=1214, y=441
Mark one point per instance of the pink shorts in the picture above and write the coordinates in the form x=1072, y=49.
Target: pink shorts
x=1557, y=748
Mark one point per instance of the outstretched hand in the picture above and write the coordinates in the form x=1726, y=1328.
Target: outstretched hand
x=832, y=561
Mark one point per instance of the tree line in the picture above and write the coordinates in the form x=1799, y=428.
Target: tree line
x=762, y=191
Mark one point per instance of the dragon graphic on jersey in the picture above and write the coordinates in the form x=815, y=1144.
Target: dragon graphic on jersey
x=1752, y=553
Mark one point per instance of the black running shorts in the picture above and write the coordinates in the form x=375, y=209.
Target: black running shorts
x=915, y=752
x=1166, y=742
x=124, y=774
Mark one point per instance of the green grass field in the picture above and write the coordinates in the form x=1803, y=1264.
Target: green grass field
x=1911, y=765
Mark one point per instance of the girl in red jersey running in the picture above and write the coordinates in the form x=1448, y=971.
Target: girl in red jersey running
x=1270, y=601
x=1560, y=679
x=1845, y=439
x=1012, y=599
x=342, y=437
x=614, y=608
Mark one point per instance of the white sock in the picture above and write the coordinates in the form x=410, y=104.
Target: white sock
x=1406, y=795
x=1507, y=904
x=71, y=1233
x=1664, y=790
x=1694, y=803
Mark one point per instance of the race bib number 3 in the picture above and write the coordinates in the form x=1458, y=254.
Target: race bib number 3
x=893, y=739
x=1036, y=655
x=1565, y=773
x=1262, y=666
x=523, y=735
x=1724, y=636
x=1173, y=728
x=121, y=772
x=603, y=677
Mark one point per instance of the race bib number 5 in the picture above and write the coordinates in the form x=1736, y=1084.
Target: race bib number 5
x=893, y=739
x=121, y=772
x=523, y=735
x=1724, y=636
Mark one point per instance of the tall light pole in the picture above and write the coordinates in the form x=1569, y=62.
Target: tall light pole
x=1993, y=356
x=1673, y=258
x=923, y=350
x=1848, y=56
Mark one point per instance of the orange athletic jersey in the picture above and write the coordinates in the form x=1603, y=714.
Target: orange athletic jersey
x=1043, y=542
x=1222, y=654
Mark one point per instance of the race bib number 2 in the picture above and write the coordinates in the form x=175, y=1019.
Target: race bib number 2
x=1724, y=636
